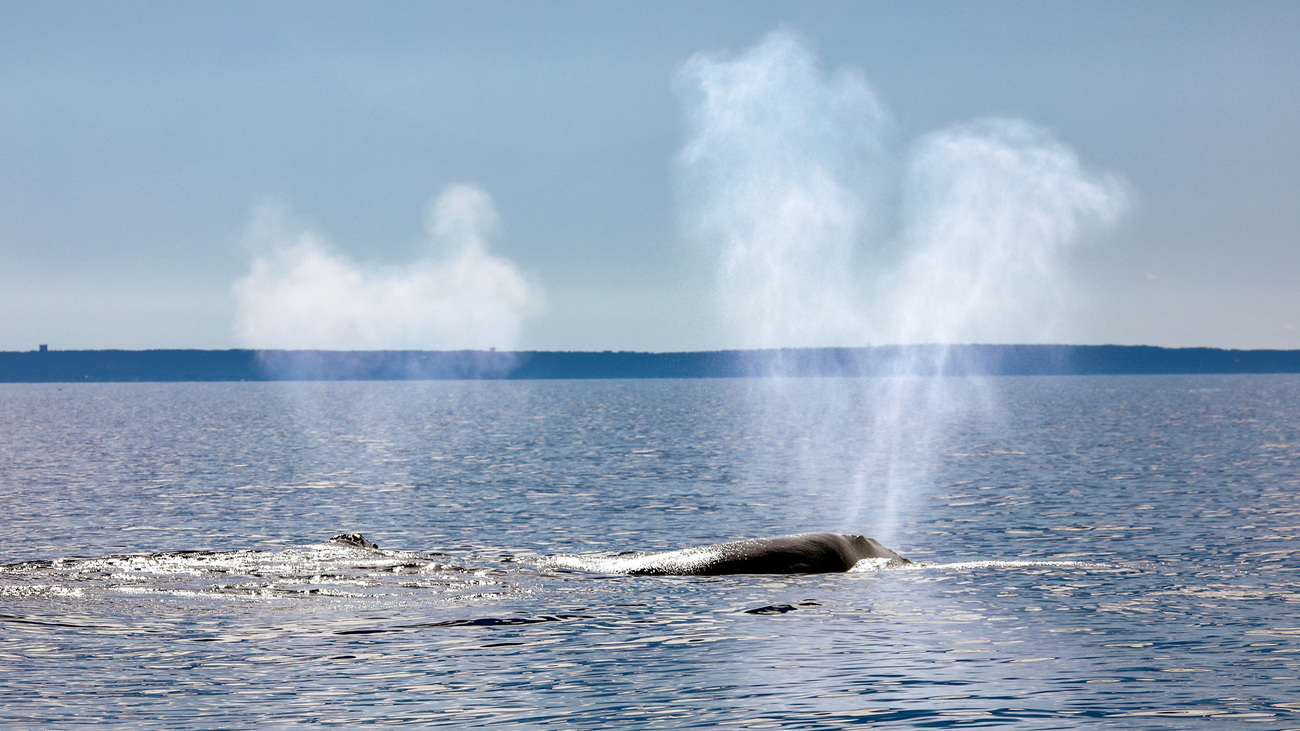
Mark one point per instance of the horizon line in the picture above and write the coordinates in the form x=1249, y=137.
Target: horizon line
x=43, y=348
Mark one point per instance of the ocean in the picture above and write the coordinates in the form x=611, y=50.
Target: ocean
x=1112, y=551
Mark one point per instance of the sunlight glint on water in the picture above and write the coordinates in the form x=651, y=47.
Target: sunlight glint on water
x=1115, y=550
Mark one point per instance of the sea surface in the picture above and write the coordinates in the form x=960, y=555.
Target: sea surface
x=1111, y=552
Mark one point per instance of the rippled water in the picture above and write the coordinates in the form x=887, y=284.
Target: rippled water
x=1117, y=552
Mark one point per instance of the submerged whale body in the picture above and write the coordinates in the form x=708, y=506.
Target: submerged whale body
x=352, y=539
x=808, y=553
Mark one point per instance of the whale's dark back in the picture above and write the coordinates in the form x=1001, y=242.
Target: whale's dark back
x=811, y=553
x=807, y=553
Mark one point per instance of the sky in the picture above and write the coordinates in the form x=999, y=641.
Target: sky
x=651, y=176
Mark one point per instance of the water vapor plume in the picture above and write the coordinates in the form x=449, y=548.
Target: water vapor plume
x=779, y=172
x=988, y=210
x=822, y=239
x=786, y=178
x=299, y=294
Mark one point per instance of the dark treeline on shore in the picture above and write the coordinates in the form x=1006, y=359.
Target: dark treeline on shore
x=921, y=360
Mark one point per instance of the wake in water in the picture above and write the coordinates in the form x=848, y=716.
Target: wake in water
x=688, y=562
x=332, y=569
x=351, y=567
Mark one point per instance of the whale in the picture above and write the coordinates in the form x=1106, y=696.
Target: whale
x=806, y=553
x=356, y=540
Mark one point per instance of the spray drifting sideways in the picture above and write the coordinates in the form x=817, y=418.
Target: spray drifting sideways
x=299, y=294
x=825, y=236
x=779, y=171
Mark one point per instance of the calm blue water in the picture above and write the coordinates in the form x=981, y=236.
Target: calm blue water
x=1111, y=552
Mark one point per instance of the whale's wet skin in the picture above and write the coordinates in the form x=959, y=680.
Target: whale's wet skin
x=167, y=560
x=809, y=553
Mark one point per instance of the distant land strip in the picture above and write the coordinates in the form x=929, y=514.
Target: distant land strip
x=67, y=366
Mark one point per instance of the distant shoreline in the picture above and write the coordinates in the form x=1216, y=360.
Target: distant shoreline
x=84, y=366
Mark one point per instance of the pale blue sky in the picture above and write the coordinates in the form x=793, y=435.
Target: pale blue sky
x=138, y=139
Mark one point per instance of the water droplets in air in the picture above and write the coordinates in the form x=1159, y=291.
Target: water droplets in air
x=458, y=295
x=826, y=233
